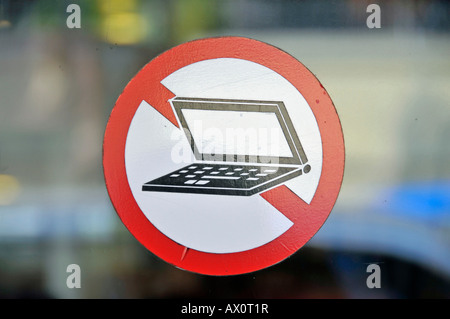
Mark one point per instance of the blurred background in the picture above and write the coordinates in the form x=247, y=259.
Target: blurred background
x=391, y=89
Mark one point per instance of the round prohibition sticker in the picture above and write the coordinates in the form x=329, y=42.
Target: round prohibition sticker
x=223, y=156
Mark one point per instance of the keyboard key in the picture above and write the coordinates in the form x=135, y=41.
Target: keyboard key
x=192, y=167
x=174, y=175
x=261, y=174
x=252, y=178
x=190, y=182
x=199, y=172
x=207, y=168
x=183, y=171
x=202, y=182
x=238, y=169
x=220, y=177
x=223, y=168
x=253, y=170
x=244, y=174
x=214, y=173
x=190, y=176
x=229, y=173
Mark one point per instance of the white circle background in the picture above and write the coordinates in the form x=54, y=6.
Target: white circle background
x=216, y=223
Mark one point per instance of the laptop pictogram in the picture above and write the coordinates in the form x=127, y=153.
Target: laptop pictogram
x=241, y=147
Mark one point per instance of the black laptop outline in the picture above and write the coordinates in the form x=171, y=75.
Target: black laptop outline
x=298, y=160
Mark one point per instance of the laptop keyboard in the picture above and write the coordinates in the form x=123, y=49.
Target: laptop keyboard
x=203, y=175
x=222, y=179
x=222, y=176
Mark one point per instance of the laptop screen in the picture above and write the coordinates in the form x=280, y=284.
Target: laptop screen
x=239, y=131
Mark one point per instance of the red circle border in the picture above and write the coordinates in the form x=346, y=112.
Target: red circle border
x=307, y=219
